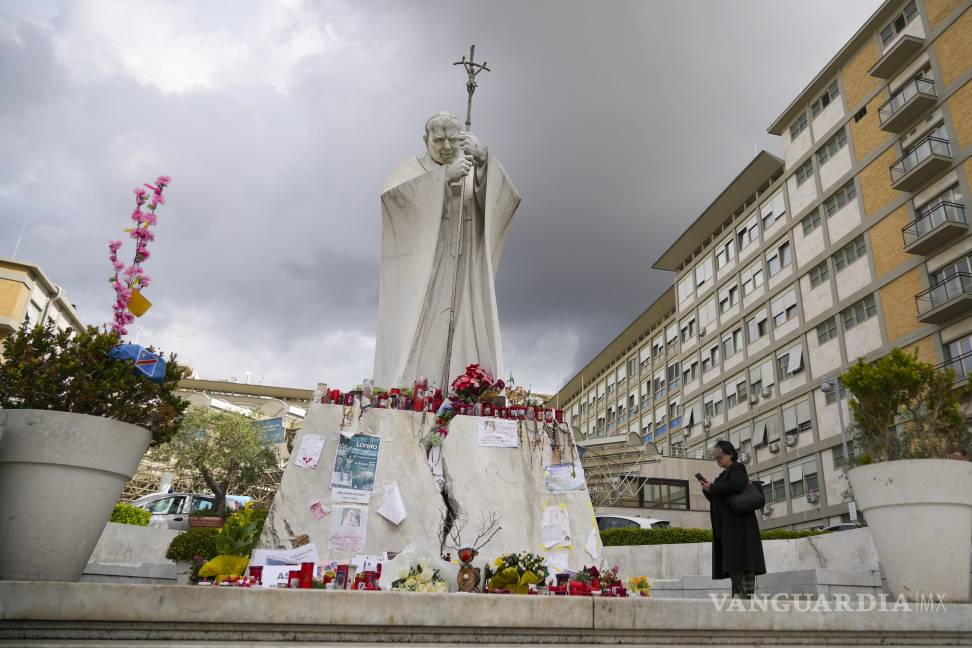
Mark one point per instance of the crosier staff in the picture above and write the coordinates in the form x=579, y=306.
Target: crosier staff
x=472, y=69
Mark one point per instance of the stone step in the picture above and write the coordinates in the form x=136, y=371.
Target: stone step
x=106, y=613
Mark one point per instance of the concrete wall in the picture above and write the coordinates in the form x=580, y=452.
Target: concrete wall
x=846, y=550
x=133, y=554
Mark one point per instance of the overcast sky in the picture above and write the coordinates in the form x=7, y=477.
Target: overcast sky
x=278, y=121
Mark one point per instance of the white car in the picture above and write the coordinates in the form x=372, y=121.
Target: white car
x=172, y=510
x=608, y=521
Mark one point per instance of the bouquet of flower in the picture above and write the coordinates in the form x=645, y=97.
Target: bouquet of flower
x=476, y=384
x=610, y=575
x=420, y=577
x=587, y=575
x=515, y=572
x=640, y=585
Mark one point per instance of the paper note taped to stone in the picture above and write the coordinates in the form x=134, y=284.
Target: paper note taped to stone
x=564, y=477
x=392, y=506
x=556, y=527
x=498, y=433
x=349, y=528
x=310, y=450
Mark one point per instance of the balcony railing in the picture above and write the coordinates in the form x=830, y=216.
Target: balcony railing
x=914, y=98
x=961, y=365
x=945, y=300
x=935, y=226
x=923, y=160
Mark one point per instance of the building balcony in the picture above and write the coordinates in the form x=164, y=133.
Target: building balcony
x=961, y=365
x=926, y=159
x=910, y=102
x=945, y=301
x=897, y=56
x=936, y=227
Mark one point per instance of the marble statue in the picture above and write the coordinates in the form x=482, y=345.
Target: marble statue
x=434, y=267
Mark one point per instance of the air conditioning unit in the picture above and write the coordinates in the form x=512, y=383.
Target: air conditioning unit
x=753, y=399
x=791, y=440
x=767, y=392
x=813, y=497
x=744, y=457
x=707, y=423
x=774, y=446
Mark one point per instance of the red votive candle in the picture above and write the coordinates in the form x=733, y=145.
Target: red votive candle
x=559, y=415
x=306, y=575
x=256, y=571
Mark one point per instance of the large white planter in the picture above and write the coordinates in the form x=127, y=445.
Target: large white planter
x=920, y=515
x=60, y=476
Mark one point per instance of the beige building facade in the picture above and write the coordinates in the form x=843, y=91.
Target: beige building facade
x=857, y=241
x=27, y=293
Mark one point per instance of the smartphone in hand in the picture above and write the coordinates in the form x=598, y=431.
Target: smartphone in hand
x=699, y=477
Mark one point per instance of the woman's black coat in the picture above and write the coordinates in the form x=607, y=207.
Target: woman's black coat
x=736, y=545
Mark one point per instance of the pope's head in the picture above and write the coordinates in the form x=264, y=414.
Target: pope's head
x=442, y=132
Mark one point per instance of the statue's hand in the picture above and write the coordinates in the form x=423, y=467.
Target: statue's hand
x=459, y=169
x=471, y=146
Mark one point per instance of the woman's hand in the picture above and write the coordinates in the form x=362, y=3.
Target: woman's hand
x=705, y=485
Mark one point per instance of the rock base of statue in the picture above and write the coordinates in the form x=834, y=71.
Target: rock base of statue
x=349, y=502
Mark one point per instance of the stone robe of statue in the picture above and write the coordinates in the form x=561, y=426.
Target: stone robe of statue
x=423, y=259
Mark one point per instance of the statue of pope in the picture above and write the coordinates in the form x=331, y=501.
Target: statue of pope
x=428, y=258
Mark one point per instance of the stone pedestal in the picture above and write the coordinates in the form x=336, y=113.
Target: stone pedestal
x=478, y=481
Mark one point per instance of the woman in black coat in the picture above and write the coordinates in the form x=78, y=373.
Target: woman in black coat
x=737, y=550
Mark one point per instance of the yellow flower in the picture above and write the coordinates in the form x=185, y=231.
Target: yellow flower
x=498, y=562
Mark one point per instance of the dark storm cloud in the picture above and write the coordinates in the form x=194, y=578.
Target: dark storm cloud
x=618, y=121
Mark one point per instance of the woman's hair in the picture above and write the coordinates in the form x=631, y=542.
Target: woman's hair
x=728, y=448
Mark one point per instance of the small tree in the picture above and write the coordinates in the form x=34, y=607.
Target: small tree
x=905, y=408
x=223, y=447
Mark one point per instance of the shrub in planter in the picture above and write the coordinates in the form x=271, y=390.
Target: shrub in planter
x=196, y=546
x=908, y=416
x=74, y=424
x=125, y=513
x=194, y=542
x=70, y=371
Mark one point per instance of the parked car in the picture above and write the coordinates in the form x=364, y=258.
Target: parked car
x=843, y=526
x=606, y=521
x=172, y=510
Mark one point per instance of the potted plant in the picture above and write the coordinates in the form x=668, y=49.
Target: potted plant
x=917, y=502
x=74, y=424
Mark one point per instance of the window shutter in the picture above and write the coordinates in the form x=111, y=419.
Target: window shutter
x=773, y=428
x=796, y=473
x=789, y=419
x=803, y=412
x=767, y=373
x=796, y=359
x=761, y=438
x=644, y=354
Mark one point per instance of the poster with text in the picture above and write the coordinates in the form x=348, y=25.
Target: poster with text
x=356, y=463
x=498, y=433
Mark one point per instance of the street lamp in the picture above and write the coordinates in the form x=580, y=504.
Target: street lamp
x=832, y=384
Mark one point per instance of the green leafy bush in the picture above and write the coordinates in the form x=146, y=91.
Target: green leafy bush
x=70, y=371
x=627, y=537
x=241, y=532
x=125, y=513
x=194, y=542
x=789, y=534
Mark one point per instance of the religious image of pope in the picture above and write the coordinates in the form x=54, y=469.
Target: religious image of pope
x=445, y=216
